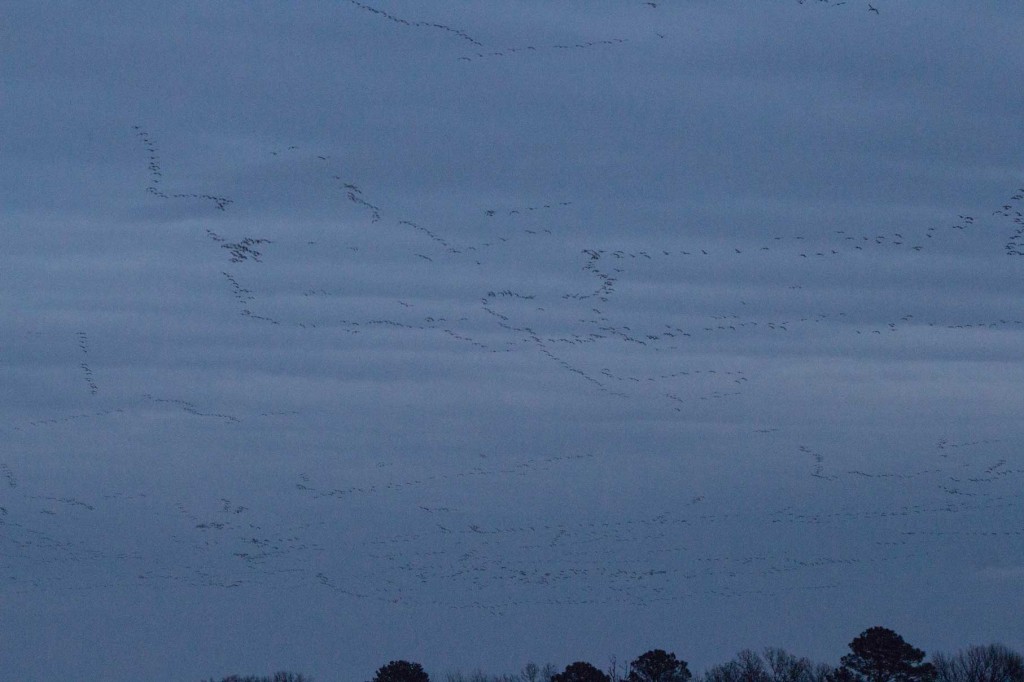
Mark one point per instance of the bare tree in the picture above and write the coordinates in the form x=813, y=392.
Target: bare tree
x=480, y=676
x=280, y=676
x=773, y=665
x=785, y=667
x=991, y=663
x=746, y=667
x=613, y=669
x=531, y=672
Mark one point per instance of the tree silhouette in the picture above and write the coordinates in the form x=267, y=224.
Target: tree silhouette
x=992, y=663
x=280, y=676
x=783, y=666
x=880, y=655
x=658, y=665
x=531, y=672
x=774, y=665
x=580, y=671
x=747, y=666
x=401, y=671
x=841, y=674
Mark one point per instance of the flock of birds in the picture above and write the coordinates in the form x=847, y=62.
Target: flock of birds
x=564, y=326
x=574, y=328
x=483, y=53
x=636, y=560
x=83, y=345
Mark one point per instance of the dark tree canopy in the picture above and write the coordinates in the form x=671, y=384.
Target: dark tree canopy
x=880, y=655
x=580, y=671
x=401, y=671
x=658, y=665
x=841, y=674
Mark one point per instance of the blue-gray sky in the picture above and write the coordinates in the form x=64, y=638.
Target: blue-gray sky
x=481, y=333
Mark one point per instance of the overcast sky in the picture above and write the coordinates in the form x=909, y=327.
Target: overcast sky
x=481, y=333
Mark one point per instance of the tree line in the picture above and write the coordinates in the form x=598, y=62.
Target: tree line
x=876, y=655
